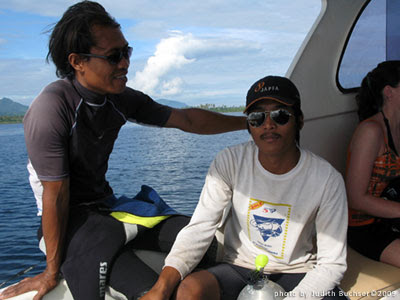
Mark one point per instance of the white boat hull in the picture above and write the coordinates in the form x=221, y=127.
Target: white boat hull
x=154, y=259
x=365, y=279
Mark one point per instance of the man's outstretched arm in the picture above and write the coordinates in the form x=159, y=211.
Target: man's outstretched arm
x=202, y=121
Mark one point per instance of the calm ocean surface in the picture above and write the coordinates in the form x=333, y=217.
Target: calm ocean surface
x=173, y=162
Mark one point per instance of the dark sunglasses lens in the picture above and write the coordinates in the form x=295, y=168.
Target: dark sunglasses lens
x=280, y=117
x=256, y=119
x=128, y=52
x=116, y=57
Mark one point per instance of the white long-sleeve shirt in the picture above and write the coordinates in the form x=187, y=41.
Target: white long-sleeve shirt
x=298, y=219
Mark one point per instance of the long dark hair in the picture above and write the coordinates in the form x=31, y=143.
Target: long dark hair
x=370, y=98
x=72, y=34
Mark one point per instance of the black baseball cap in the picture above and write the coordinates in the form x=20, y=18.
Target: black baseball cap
x=276, y=88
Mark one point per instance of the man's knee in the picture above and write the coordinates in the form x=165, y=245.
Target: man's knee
x=198, y=285
x=189, y=289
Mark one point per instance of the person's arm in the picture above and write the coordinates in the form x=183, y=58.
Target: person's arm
x=193, y=240
x=202, y=121
x=365, y=146
x=54, y=223
x=331, y=233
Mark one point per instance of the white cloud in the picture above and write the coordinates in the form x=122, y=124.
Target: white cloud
x=190, y=51
x=169, y=54
x=172, y=87
x=183, y=60
x=213, y=67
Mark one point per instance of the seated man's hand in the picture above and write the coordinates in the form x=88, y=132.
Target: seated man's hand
x=43, y=283
x=153, y=294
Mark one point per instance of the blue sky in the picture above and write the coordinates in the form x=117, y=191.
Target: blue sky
x=191, y=51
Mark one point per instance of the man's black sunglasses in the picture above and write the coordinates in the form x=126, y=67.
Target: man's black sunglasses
x=279, y=116
x=114, y=58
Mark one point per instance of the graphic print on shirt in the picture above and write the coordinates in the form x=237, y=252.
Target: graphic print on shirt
x=267, y=225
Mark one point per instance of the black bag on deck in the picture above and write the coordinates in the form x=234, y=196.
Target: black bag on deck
x=392, y=192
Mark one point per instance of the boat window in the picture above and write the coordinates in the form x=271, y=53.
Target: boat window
x=375, y=38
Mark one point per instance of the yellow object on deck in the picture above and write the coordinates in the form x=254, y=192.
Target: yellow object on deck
x=148, y=222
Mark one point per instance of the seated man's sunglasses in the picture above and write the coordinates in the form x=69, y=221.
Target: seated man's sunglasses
x=280, y=116
x=114, y=58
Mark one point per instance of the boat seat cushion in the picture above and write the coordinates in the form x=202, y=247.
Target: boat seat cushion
x=368, y=278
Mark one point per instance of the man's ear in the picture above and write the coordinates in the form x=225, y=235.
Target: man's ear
x=76, y=61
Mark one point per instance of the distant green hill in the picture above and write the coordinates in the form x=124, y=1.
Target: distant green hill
x=11, y=108
x=172, y=103
x=213, y=107
x=13, y=112
x=222, y=108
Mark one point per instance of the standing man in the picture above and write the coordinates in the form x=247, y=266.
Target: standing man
x=283, y=201
x=70, y=130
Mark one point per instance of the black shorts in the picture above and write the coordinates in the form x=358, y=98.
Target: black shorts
x=232, y=279
x=370, y=240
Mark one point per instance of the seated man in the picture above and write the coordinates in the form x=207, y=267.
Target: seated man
x=285, y=202
x=70, y=131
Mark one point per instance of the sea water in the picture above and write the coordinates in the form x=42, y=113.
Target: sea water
x=173, y=162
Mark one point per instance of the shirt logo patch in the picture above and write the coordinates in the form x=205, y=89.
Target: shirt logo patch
x=267, y=226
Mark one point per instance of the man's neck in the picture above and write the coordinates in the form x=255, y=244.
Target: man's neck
x=86, y=94
x=280, y=163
